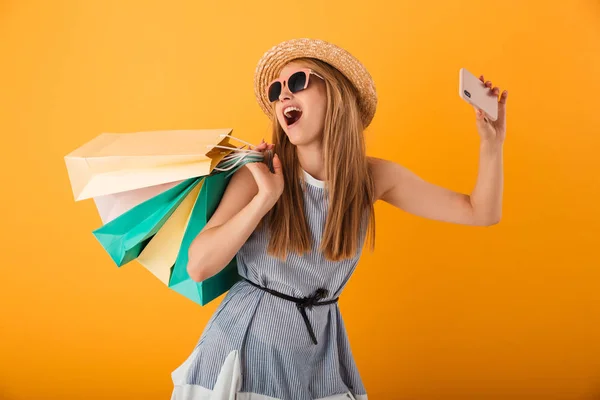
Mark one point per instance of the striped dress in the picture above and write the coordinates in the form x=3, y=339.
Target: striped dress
x=257, y=345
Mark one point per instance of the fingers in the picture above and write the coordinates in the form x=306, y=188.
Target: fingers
x=257, y=169
x=480, y=115
x=262, y=146
x=494, y=89
x=487, y=84
x=502, y=106
x=478, y=112
x=277, y=165
x=257, y=165
x=252, y=166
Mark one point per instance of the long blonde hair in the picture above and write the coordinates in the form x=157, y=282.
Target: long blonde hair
x=349, y=180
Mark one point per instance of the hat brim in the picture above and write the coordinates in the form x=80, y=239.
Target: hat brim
x=278, y=56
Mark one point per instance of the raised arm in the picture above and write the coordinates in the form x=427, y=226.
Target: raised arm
x=402, y=188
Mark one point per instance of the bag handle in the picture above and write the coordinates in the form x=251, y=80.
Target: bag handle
x=238, y=156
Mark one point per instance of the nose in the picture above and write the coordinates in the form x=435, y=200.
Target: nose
x=285, y=93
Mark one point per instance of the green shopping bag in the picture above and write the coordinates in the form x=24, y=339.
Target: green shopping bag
x=203, y=292
x=126, y=236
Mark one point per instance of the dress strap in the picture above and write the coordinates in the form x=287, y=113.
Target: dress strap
x=302, y=303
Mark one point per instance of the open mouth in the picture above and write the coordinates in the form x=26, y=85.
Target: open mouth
x=291, y=115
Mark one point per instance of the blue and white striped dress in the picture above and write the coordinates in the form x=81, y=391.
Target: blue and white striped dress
x=256, y=346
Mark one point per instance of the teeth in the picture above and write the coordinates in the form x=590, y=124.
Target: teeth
x=288, y=109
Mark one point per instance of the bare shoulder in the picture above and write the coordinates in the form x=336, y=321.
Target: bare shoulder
x=385, y=174
x=242, y=179
x=239, y=192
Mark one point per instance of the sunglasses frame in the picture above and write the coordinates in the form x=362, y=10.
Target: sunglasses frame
x=283, y=81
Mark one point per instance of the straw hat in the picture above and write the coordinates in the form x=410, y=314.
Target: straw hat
x=273, y=60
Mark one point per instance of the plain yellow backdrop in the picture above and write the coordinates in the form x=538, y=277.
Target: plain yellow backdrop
x=438, y=311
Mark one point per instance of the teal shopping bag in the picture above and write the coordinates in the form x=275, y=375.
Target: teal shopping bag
x=125, y=237
x=203, y=292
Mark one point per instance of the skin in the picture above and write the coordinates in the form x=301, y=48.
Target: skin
x=394, y=183
x=254, y=190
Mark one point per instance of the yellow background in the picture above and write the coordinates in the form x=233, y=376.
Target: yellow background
x=439, y=311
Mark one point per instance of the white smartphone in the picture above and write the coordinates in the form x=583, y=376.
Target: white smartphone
x=474, y=92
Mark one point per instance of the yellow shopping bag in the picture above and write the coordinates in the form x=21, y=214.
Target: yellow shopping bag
x=160, y=254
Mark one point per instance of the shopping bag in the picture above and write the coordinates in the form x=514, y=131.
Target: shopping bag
x=156, y=220
x=203, y=292
x=118, y=162
x=110, y=206
x=126, y=236
x=160, y=254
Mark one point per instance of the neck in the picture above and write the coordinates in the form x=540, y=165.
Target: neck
x=312, y=160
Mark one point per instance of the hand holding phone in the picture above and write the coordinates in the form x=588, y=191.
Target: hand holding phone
x=474, y=92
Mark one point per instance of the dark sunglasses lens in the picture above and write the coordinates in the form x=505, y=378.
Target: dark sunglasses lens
x=274, y=91
x=297, y=82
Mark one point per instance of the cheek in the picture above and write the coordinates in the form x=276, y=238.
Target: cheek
x=320, y=111
x=318, y=108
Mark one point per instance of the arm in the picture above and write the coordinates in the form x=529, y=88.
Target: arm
x=234, y=220
x=239, y=212
x=401, y=188
x=486, y=197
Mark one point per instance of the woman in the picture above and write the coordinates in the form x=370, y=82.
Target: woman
x=297, y=231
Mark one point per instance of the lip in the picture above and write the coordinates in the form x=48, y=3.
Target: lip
x=284, y=117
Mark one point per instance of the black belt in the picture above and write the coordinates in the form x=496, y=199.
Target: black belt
x=302, y=304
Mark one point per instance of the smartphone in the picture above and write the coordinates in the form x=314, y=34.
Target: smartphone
x=474, y=92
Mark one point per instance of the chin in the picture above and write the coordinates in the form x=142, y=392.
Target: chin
x=298, y=137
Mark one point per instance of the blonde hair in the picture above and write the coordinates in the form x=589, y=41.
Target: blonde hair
x=349, y=180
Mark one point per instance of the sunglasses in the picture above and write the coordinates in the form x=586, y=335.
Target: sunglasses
x=296, y=82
